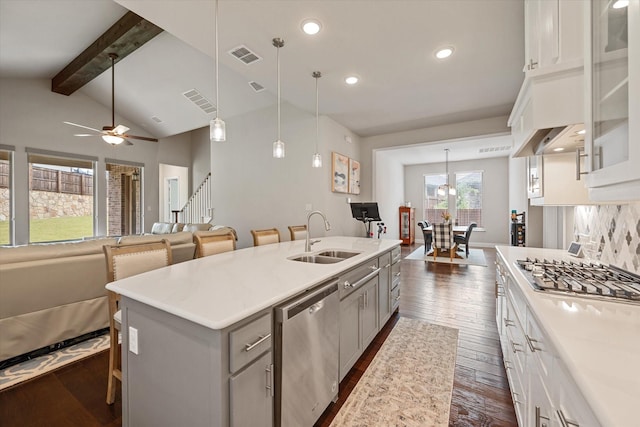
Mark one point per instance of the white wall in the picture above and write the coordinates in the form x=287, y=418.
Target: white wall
x=390, y=188
x=495, y=186
x=252, y=190
x=32, y=116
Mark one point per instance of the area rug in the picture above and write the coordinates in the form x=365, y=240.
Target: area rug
x=41, y=365
x=409, y=382
x=476, y=257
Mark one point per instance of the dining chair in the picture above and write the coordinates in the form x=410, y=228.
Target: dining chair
x=125, y=261
x=443, y=240
x=426, y=234
x=463, y=239
x=265, y=237
x=298, y=232
x=211, y=243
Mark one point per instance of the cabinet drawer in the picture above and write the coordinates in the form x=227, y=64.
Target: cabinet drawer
x=395, y=273
x=395, y=297
x=249, y=342
x=395, y=254
x=540, y=348
x=384, y=261
x=351, y=280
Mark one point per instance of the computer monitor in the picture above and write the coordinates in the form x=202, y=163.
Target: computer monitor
x=365, y=211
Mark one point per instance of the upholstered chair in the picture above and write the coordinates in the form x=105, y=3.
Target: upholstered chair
x=464, y=239
x=125, y=261
x=443, y=240
x=211, y=243
x=426, y=234
x=265, y=237
x=298, y=232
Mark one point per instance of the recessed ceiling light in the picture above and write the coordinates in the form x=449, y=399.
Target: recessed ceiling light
x=558, y=149
x=444, y=52
x=311, y=26
x=620, y=4
x=581, y=132
x=351, y=80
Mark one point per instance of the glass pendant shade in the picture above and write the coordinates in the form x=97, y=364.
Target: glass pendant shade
x=278, y=149
x=113, y=139
x=441, y=191
x=217, y=132
x=316, y=160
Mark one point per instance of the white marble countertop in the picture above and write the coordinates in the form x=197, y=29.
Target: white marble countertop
x=598, y=341
x=219, y=290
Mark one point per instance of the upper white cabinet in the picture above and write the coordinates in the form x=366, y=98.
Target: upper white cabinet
x=612, y=77
x=555, y=183
x=553, y=33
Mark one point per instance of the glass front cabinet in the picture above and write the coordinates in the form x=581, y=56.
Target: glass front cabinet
x=612, y=76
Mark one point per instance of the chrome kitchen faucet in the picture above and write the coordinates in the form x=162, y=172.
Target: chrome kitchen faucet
x=327, y=227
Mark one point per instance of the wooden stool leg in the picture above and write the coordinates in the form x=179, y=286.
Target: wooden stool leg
x=113, y=360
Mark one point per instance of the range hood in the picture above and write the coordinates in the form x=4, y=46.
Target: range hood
x=562, y=139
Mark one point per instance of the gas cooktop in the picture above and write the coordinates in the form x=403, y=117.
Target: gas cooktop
x=582, y=279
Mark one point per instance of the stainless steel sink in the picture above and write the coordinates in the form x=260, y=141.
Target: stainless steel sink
x=338, y=254
x=317, y=259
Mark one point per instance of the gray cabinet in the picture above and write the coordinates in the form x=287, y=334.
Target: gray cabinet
x=358, y=323
x=251, y=388
x=384, y=289
x=395, y=279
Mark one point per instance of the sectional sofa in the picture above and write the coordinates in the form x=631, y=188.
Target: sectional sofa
x=50, y=293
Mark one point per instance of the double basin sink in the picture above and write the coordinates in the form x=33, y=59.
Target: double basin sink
x=325, y=257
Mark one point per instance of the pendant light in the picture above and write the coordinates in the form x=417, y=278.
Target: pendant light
x=217, y=132
x=316, y=160
x=444, y=189
x=278, y=146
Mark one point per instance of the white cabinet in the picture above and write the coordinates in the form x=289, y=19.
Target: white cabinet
x=553, y=33
x=553, y=181
x=543, y=392
x=612, y=80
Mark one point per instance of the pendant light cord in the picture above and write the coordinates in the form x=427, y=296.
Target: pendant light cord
x=113, y=91
x=317, y=133
x=278, y=66
x=216, y=34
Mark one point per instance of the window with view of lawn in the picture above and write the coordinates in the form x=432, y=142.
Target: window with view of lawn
x=61, y=200
x=6, y=158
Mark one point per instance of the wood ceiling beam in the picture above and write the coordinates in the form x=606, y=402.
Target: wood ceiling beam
x=124, y=37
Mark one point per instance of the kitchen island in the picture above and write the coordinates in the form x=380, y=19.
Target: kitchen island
x=196, y=336
x=570, y=360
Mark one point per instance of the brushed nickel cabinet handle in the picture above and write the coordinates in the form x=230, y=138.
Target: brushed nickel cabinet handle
x=564, y=421
x=261, y=339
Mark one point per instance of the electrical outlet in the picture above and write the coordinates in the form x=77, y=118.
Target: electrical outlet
x=133, y=340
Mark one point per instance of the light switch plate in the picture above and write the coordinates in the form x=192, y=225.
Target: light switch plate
x=133, y=340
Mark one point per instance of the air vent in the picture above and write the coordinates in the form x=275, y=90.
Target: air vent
x=256, y=86
x=494, y=149
x=156, y=119
x=200, y=101
x=242, y=53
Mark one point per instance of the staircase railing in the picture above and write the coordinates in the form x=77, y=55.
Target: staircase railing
x=199, y=206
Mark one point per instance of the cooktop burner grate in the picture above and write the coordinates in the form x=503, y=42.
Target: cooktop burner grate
x=582, y=278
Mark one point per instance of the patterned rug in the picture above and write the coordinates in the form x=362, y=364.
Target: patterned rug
x=476, y=257
x=409, y=382
x=41, y=365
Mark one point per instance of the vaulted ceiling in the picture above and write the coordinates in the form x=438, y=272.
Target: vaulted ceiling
x=389, y=44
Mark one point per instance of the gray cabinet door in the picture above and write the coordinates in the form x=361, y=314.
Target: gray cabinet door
x=251, y=401
x=384, y=289
x=350, y=338
x=369, y=312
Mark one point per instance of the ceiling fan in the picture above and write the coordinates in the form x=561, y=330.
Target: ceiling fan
x=114, y=135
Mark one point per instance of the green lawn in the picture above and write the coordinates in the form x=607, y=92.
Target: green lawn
x=47, y=230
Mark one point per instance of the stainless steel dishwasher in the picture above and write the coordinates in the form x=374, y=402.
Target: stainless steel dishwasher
x=307, y=356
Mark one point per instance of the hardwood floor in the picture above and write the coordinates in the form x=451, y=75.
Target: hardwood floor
x=461, y=297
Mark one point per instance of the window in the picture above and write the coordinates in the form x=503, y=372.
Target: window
x=124, y=198
x=61, y=202
x=434, y=204
x=6, y=226
x=468, y=198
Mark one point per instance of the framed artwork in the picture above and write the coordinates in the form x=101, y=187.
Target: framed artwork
x=339, y=173
x=354, y=176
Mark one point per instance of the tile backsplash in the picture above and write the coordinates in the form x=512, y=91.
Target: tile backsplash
x=610, y=233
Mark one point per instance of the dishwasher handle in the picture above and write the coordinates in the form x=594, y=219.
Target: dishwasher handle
x=313, y=302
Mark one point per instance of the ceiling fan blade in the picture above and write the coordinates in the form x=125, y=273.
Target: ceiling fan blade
x=84, y=127
x=127, y=142
x=142, y=138
x=120, y=130
x=85, y=134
